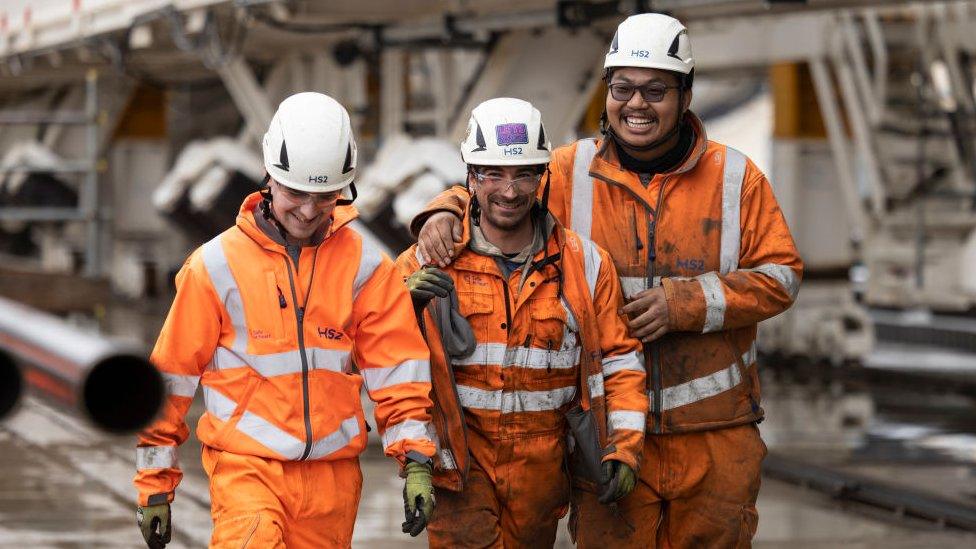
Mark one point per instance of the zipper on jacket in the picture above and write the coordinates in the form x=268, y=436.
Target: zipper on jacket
x=655, y=353
x=638, y=245
x=281, y=298
x=508, y=309
x=300, y=320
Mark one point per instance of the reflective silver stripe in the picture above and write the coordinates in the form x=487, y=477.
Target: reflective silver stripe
x=408, y=371
x=591, y=264
x=536, y=358
x=224, y=283
x=706, y=386
x=620, y=420
x=484, y=353
x=782, y=274
x=217, y=404
x=749, y=356
x=525, y=357
x=370, y=260
x=348, y=430
x=272, y=436
x=515, y=401
x=277, y=364
x=406, y=429
x=633, y=285
x=595, y=383
x=582, y=207
x=714, y=301
x=180, y=385
x=735, y=169
x=627, y=361
x=157, y=457
x=447, y=459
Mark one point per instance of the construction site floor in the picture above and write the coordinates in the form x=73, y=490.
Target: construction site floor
x=64, y=485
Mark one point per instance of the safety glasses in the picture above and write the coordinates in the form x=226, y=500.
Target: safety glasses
x=652, y=93
x=524, y=184
x=318, y=199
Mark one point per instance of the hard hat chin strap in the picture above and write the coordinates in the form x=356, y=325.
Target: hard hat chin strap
x=348, y=201
x=266, y=208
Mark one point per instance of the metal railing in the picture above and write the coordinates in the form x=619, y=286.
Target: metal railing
x=88, y=198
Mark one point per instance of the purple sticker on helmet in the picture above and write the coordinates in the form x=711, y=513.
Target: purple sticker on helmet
x=512, y=134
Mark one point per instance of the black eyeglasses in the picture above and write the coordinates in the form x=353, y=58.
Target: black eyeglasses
x=652, y=93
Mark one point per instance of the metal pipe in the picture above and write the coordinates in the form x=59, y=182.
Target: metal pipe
x=11, y=384
x=107, y=382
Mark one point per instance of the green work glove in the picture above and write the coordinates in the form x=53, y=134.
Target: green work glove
x=427, y=283
x=418, y=497
x=618, y=481
x=154, y=521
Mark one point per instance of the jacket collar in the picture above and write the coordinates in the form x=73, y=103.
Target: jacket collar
x=606, y=164
x=249, y=224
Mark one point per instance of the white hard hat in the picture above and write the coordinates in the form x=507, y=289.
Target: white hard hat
x=309, y=145
x=505, y=132
x=652, y=41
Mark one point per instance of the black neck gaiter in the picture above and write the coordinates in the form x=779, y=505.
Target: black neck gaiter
x=668, y=161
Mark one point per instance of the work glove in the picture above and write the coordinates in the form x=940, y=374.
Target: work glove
x=427, y=283
x=154, y=521
x=618, y=481
x=418, y=497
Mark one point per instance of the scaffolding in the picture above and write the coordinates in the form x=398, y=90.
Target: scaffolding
x=87, y=210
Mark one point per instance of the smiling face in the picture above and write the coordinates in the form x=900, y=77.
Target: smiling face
x=300, y=213
x=640, y=123
x=505, y=194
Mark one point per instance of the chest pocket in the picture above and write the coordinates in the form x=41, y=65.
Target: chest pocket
x=554, y=342
x=269, y=324
x=478, y=309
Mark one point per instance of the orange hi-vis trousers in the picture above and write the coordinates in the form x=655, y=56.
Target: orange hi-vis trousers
x=272, y=504
x=695, y=489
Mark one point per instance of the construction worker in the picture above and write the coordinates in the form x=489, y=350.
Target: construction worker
x=534, y=328
x=282, y=319
x=704, y=254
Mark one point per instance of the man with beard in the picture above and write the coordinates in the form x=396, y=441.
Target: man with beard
x=534, y=330
x=704, y=254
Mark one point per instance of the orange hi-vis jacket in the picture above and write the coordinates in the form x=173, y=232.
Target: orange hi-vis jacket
x=276, y=347
x=535, y=350
x=712, y=234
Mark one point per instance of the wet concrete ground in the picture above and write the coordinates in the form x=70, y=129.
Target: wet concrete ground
x=63, y=485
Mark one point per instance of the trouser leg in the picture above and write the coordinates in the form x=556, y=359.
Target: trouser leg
x=533, y=489
x=712, y=502
x=245, y=501
x=468, y=519
x=330, y=498
x=635, y=520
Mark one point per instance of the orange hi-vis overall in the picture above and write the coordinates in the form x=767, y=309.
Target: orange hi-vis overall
x=500, y=413
x=711, y=233
x=282, y=351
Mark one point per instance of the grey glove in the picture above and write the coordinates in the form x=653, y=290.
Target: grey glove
x=428, y=283
x=154, y=522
